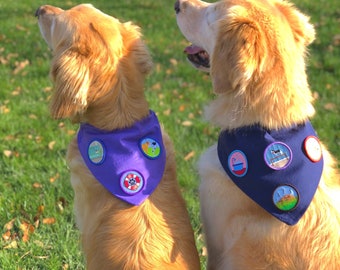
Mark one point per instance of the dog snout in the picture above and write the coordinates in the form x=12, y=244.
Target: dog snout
x=40, y=11
x=46, y=9
x=177, y=6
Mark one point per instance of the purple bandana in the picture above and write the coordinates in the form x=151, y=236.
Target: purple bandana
x=279, y=169
x=127, y=162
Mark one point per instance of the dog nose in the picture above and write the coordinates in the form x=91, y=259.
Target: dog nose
x=49, y=10
x=177, y=7
x=39, y=11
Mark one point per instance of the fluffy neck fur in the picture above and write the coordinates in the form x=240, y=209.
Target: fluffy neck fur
x=275, y=98
x=230, y=112
x=119, y=108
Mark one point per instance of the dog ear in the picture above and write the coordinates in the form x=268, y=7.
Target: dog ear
x=70, y=75
x=239, y=52
x=303, y=31
x=76, y=67
x=143, y=58
x=133, y=42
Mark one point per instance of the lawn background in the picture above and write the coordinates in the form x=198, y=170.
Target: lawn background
x=36, y=199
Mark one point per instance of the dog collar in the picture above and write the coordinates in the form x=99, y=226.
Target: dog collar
x=129, y=162
x=279, y=169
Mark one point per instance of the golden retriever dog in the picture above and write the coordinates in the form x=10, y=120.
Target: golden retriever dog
x=128, y=204
x=269, y=189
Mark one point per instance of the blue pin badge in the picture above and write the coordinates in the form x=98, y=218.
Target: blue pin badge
x=278, y=155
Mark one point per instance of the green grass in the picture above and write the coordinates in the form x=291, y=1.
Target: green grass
x=33, y=146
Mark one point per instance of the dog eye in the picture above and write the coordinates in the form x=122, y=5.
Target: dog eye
x=177, y=7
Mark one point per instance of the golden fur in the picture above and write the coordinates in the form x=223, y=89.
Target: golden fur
x=98, y=71
x=257, y=52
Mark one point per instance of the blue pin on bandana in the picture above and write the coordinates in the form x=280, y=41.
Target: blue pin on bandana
x=129, y=162
x=279, y=169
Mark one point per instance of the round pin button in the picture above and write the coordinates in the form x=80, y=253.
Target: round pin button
x=285, y=198
x=96, y=152
x=150, y=148
x=131, y=182
x=238, y=163
x=313, y=148
x=278, y=155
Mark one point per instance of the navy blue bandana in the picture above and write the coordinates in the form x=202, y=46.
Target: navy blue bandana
x=279, y=169
x=127, y=162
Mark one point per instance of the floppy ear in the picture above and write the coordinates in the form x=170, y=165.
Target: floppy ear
x=70, y=75
x=143, y=58
x=303, y=31
x=139, y=52
x=239, y=52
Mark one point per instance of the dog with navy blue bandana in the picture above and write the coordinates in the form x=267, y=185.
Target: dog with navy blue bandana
x=270, y=191
x=128, y=204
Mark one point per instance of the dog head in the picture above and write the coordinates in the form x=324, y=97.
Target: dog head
x=94, y=56
x=253, y=49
